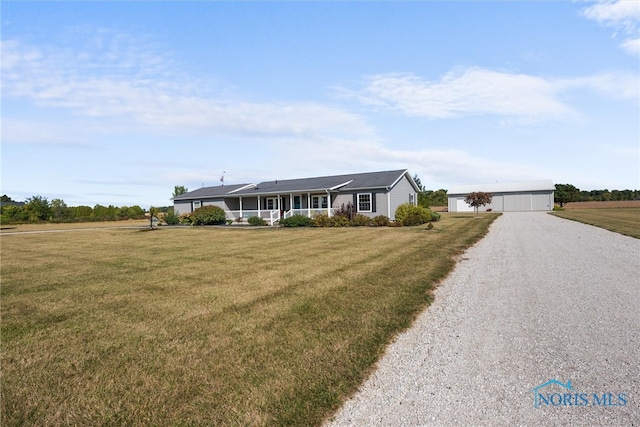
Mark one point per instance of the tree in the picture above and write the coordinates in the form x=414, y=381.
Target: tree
x=59, y=210
x=179, y=190
x=478, y=199
x=6, y=198
x=421, y=188
x=38, y=209
x=566, y=193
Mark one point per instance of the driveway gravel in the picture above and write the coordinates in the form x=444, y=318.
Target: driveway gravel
x=539, y=298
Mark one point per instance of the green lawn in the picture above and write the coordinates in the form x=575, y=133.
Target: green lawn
x=621, y=220
x=208, y=326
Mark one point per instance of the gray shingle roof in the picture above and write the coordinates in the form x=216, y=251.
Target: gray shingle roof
x=368, y=180
x=350, y=182
x=210, y=192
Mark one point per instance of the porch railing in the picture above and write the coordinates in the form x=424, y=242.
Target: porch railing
x=306, y=212
x=271, y=216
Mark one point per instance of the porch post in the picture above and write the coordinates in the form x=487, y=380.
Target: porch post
x=389, y=205
x=309, y=205
x=240, y=206
x=290, y=202
x=259, y=213
x=328, y=204
x=279, y=206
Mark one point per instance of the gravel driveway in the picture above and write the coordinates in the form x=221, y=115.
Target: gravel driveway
x=539, y=299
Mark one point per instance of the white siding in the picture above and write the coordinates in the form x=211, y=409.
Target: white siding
x=398, y=195
x=182, y=207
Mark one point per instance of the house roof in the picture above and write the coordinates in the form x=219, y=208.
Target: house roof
x=209, y=192
x=350, y=182
x=503, y=187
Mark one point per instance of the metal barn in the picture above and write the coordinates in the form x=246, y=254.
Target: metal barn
x=507, y=196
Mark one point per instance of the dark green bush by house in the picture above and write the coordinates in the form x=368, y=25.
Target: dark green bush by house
x=410, y=215
x=208, y=215
x=256, y=220
x=296, y=221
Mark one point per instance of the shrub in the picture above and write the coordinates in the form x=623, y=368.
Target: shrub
x=348, y=211
x=430, y=226
x=185, y=219
x=435, y=216
x=208, y=215
x=296, y=221
x=360, y=220
x=339, y=221
x=256, y=220
x=322, y=220
x=380, y=221
x=171, y=218
x=557, y=208
x=410, y=215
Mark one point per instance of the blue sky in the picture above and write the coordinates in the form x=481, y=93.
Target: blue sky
x=118, y=102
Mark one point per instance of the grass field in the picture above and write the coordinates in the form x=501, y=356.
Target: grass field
x=208, y=326
x=621, y=220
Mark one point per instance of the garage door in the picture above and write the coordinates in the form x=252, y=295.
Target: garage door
x=462, y=206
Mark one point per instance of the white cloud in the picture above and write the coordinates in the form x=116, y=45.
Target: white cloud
x=632, y=46
x=626, y=12
x=467, y=91
x=521, y=97
x=622, y=15
x=132, y=89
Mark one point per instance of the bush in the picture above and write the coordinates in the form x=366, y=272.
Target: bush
x=380, y=221
x=410, y=215
x=185, y=219
x=557, y=208
x=171, y=218
x=256, y=220
x=208, y=215
x=360, y=220
x=435, y=216
x=296, y=221
x=339, y=221
x=322, y=220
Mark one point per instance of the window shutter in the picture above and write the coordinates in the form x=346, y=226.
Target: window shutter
x=355, y=202
x=373, y=202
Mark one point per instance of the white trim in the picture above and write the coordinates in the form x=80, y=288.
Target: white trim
x=389, y=204
x=242, y=188
x=370, y=202
x=335, y=187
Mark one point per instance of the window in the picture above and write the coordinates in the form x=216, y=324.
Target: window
x=271, y=204
x=319, y=202
x=411, y=199
x=197, y=205
x=364, y=202
x=296, y=202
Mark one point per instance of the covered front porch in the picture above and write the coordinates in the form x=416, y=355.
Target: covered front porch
x=272, y=208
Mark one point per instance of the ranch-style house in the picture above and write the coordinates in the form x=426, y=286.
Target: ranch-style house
x=372, y=194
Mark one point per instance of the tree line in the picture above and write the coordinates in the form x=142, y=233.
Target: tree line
x=566, y=193
x=40, y=209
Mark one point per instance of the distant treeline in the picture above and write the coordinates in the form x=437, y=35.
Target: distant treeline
x=606, y=195
x=566, y=193
x=39, y=209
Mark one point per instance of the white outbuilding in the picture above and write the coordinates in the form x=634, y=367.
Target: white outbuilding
x=507, y=196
